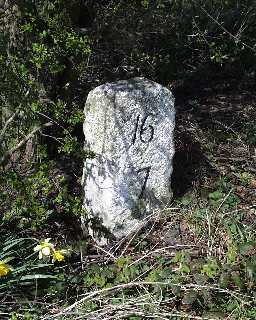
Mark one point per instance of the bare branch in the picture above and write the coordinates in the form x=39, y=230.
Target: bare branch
x=52, y=137
x=6, y=125
x=8, y=154
x=10, y=119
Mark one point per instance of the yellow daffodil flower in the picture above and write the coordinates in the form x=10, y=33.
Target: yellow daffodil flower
x=44, y=248
x=4, y=269
x=58, y=255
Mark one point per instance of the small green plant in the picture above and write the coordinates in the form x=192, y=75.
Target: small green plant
x=223, y=195
x=211, y=269
x=246, y=178
x=183, y=260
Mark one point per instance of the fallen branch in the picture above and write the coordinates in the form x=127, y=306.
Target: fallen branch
x=186, y=287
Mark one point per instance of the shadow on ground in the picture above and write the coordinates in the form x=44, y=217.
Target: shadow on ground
x=190, y=165
x=214, y=127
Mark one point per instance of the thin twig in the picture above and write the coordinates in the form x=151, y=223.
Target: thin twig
x=223, y=201
x=175, y=247
x=52, y=137
x=106, y=252
x=226, y=31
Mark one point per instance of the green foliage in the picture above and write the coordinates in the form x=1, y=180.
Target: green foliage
x=30, y=201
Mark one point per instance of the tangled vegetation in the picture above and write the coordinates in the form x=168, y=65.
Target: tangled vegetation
x=194, y=260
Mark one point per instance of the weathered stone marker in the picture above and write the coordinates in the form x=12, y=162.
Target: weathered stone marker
x=129, y=126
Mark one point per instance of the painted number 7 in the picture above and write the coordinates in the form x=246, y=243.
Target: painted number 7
x=147, y=170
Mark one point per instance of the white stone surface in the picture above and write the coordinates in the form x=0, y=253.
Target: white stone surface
x=129, y=126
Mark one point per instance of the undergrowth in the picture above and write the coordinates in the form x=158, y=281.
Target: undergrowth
x=194, y=260
x=201, y=265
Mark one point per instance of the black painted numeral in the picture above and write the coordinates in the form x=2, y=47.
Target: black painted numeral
x=136, y=129
x=147, y=170
x=143, y=129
